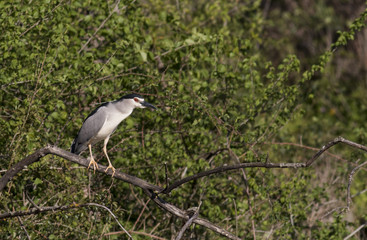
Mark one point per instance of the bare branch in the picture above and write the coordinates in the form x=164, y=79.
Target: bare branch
x=332, y=143
x=148, y=188
x=73, y=158
x=225, y=168
x=229, y=168
x=183, y=214
x=151, y=189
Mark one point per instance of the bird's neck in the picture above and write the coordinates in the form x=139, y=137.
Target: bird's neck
x=123, y=108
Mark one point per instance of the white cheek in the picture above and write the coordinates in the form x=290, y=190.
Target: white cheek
x=136, y=104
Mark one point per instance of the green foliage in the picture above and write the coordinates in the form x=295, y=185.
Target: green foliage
x=220, y=80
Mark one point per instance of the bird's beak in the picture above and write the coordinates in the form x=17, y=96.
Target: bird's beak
x=146, y=104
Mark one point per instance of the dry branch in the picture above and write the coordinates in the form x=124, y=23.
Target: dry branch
x=148, y=188
x=152, y=190
x=188, y=223
x=222, y=169
x=73, y=158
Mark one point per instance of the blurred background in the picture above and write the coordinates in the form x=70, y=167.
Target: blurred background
x=234, y=81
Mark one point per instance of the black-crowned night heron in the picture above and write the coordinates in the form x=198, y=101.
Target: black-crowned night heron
x=102, y=122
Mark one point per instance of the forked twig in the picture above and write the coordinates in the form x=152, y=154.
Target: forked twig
x=189, y=222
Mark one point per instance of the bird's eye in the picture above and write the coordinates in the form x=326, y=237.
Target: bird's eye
x=136, y=99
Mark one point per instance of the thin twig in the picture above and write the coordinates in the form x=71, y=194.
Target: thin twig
x=359, y=193
x=350, y=179
x=31, y=201
x=340, y=209
x=141, y=213
x=176, y=49
x=24, y=229
x=115, y=9
x=38, y=22
x=113, y=215
x=247, y=188
x=332, y=143
x=236, y=217
x=137, y=233
x=310, y=148
x=303, y=146
x=355, y=231
x=166, y=171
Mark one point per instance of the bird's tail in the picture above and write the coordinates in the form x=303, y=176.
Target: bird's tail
x=77, y=148
x=73, y=148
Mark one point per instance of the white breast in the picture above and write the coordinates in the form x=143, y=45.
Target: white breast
x=113, y=119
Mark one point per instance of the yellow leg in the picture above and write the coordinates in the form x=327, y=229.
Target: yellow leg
x=92, y=162
x=109, y=162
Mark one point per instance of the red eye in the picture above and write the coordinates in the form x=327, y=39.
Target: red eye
x=136, y=99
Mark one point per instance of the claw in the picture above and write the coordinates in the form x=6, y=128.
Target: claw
x=113, y=169
x=94, y=163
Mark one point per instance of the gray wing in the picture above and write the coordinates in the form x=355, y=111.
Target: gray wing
x=91, y=126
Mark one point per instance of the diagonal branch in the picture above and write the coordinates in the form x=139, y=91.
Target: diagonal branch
x=148, y=188
x=183, y=214
x=152, y=190
x=37, y=155
x=355, y=231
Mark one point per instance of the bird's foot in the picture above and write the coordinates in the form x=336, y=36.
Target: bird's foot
x=94, y=163
x=113, y=169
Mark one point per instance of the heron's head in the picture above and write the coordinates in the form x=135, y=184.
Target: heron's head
x=137, y=101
